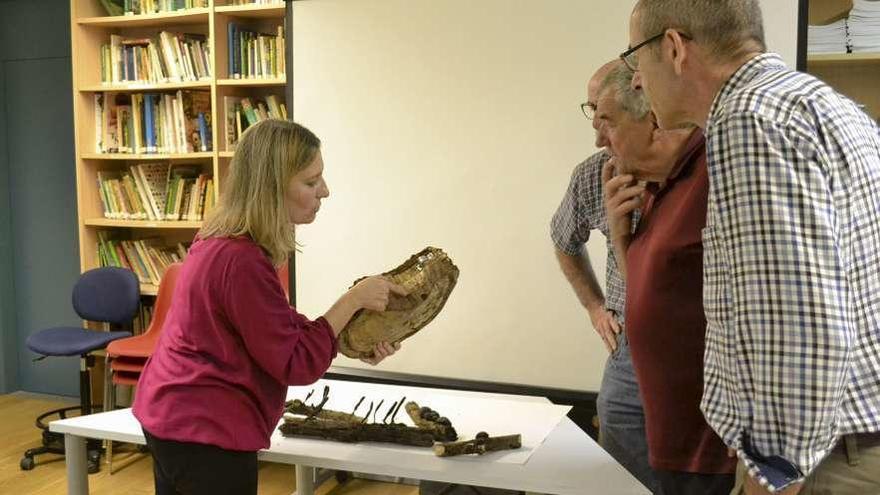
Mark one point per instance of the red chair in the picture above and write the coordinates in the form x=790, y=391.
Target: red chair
x=127, y=357
x=285, y=279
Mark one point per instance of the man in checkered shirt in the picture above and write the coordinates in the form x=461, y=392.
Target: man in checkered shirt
x=792, y=247
x=621, y=416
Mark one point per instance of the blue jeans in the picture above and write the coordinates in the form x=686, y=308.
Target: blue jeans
x=621, y=416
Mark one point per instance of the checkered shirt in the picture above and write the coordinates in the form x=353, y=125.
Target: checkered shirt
x=791, y=270
x=581, y=211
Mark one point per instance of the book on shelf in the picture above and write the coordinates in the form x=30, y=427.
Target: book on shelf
x=243, y=112
x=190, y=194
x=252, y=54
x=155, y=192
x=153, y=122
x=142, y=319
x=147, y=258
x=140, y=7
x=257, y=2
x=167, y=57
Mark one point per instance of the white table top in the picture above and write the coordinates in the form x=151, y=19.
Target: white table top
x=569, y=462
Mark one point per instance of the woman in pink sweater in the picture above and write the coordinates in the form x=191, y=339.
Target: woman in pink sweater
x=212, y=393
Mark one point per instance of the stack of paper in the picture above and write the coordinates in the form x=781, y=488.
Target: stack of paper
x=830, y=38
x=864, y=26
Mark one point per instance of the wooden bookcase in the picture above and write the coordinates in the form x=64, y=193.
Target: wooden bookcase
x=91, y=28
x=856, y=75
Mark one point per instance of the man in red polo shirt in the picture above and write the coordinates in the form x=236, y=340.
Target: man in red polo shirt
x=663, y=173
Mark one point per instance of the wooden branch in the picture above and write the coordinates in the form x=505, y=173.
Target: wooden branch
x=296, y=406
x=480, y=445
x=345, y=431
x=427, y=419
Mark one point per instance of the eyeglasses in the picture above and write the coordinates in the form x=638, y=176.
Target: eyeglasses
x=631, y=58
x=589, y=110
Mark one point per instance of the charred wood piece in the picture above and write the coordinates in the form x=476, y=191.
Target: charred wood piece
x=343, y=431
x=480, y=445
x=428, y=419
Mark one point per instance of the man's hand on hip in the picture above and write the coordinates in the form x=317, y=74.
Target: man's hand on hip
x=606, y=326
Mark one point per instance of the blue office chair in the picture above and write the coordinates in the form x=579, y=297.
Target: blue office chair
x=110, y=295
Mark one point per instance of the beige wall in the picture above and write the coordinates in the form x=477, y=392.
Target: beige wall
x=455, y=123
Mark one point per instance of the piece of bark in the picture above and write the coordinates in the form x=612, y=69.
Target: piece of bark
x=441, y=432
x=478, y=446
x=345, y=431
x=296, y=406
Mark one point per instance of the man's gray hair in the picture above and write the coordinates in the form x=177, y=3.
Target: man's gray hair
x=632, y=101
x=726, y=28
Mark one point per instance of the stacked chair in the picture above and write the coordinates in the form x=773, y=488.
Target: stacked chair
x=126, y=358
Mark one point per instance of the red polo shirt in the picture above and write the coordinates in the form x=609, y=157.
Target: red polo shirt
x=665, y=323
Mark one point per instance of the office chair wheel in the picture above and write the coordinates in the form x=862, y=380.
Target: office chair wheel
x=26, y=463
x=94, y=461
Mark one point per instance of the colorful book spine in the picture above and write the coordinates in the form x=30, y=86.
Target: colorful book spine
x=149, y=124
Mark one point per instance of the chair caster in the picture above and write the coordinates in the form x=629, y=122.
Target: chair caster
x=26, y=463
x=94, y=461
x=342, y=476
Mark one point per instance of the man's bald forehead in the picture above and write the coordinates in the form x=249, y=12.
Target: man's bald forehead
x=598, y=77
x=603, y=71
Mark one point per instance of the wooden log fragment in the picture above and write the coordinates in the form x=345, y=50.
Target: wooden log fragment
x=345, y=431
x=480, y=445
x=427, y=419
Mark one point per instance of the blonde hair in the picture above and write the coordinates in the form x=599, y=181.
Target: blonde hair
x=267, y=156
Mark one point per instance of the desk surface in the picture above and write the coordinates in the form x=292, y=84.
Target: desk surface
x=568, y=462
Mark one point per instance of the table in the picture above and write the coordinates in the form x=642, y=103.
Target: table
x=568, y=462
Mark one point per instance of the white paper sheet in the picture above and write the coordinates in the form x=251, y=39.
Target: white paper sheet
x=469, y=413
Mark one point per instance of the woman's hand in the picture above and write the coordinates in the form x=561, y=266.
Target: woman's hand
x=381, y=351
x=370, y=293
x=373, y=292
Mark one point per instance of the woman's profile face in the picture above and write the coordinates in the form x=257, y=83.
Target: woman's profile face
x=304, y=193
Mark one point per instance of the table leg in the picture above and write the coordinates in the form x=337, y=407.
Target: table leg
x=77, y=465
x=305, y=480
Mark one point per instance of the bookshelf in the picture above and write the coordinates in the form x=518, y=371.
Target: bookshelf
x=203, y=81
x=92, y=28
x=856, y=74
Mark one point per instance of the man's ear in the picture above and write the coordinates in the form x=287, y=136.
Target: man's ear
x=679, y=53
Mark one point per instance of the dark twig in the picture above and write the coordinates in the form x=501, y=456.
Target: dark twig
x=368, y=413
x=320, y=406
x=390, y=410
x=377, y=409
x=358, y=405
x=398, y=408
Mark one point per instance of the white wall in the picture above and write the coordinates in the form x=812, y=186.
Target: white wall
x=455, y=123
